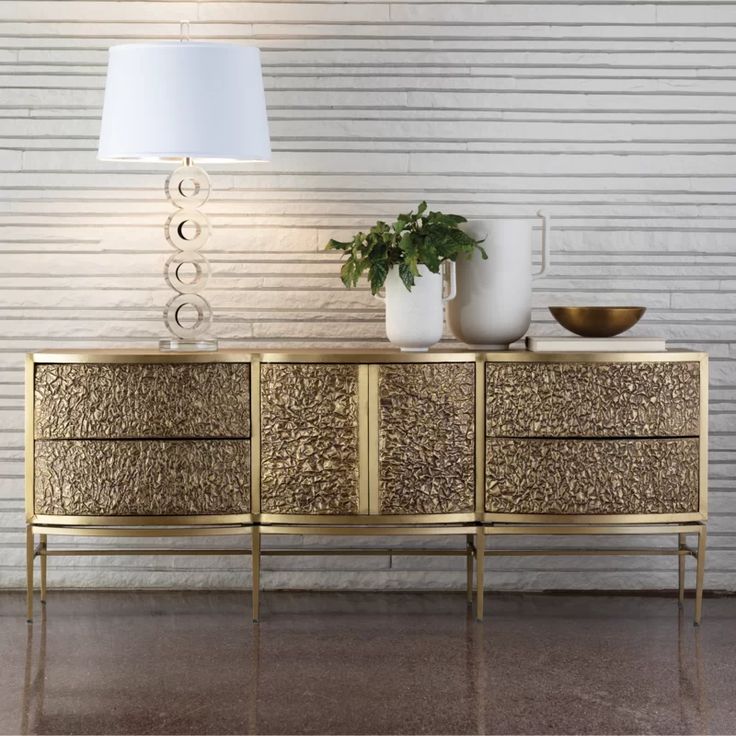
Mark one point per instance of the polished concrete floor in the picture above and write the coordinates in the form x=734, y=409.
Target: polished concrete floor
x=344, y=663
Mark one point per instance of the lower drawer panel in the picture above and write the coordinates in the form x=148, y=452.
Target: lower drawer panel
x=550, y=476
x=142, y=477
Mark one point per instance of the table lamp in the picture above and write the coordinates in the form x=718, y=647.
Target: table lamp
x=190, y=102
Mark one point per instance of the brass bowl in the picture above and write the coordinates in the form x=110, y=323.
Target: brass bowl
x=597, y=321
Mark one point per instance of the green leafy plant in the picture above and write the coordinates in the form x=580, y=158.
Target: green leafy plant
x=416, y=238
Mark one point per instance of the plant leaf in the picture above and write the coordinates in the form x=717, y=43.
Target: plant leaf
x=377, y=275
x=406, y=275
x=337, y=245
x=347, y=272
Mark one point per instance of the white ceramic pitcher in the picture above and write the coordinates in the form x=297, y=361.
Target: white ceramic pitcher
x=415, y=319
x=493, y=306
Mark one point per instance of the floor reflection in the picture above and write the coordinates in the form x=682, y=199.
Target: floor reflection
x=34, y=679
x=378, y=663
x=692, y=699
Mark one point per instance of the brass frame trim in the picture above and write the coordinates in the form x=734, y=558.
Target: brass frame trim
x=369, y=531
x=364, y=440
x=142, y=521
x=601, y=529
x=367, y=552
x=98, y=531
x=612, y=519
x=589, y=552
x=703, y=437
x=526, y=356
x=367, y=519
x=480, y=436
x=354, y=356
x=374, y=449
x=30, y=447
x=140, y=356
x=374, y=357
x=255, y=436
x=128, y=552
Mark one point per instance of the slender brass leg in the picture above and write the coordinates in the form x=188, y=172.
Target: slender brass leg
x=44, y=547
x=702, y=536
x=469, y=568
x=29, y=574
x=256, y=572
x=480, y=548
x=681, y=539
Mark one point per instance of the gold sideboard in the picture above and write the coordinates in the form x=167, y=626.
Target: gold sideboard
x=137, y=443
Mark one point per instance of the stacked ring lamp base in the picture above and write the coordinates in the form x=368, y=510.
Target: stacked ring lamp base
x=188, y=315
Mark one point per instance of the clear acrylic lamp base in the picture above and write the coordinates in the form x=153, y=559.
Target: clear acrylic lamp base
x=172, y=345
x=188, y=315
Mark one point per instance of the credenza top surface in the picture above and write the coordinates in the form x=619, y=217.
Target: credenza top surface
x=142, y=355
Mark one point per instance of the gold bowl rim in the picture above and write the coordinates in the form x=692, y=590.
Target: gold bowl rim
x=596, y=308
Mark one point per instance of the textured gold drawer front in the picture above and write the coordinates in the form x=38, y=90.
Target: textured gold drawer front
x=309, y=438
x=656, y=399
x=426, y=438
x=142, y=477
x=540, y=476
x=121, y=400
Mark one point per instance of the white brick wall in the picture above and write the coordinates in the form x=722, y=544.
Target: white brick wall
x=618, y=117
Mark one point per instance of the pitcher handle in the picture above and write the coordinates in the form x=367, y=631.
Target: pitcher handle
x=452, y=293
x=546, y=263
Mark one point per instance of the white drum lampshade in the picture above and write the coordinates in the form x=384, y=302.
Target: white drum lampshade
x=186, y=102
x=171, y=101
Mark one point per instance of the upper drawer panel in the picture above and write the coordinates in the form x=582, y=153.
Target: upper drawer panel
x=592, y=399
x=141, y=400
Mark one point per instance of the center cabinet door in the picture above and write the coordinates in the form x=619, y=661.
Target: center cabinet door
x=314, y=419
x=386, y=439
x=423, y=438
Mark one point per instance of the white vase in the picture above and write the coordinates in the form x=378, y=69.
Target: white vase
x=493, y=307
x=415, y=319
